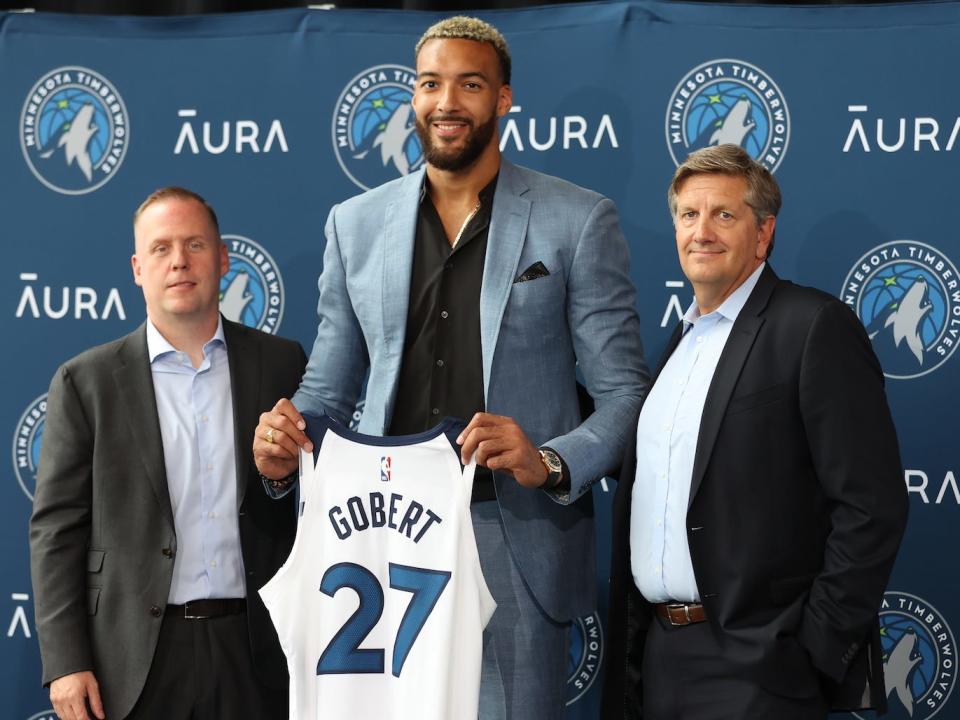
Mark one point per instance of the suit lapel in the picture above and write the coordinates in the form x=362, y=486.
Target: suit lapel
x=245, y=388
x=399, y=239
x=135, y=389
x=505, y=238
x=725, y=377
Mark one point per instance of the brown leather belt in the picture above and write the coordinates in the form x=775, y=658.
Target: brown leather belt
x=681, y=613
x=203, y=609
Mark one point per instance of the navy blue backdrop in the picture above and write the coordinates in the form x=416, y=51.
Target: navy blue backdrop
x=276, y=116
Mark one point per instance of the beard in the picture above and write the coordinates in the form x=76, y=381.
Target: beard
x=443, y=158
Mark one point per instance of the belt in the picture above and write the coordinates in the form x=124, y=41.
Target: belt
x=203, y=609
x=681, y=613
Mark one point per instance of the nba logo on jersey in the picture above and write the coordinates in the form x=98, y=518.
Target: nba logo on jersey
x=381, y=606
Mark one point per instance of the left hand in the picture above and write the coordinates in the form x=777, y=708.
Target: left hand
x=501, y=445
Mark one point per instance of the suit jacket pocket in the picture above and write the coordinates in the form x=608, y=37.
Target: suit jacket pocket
x=95, y=560
x=767, y=396
x=93, y=600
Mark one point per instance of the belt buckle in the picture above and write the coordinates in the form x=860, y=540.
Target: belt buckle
x=686, y=614
x=188, y=616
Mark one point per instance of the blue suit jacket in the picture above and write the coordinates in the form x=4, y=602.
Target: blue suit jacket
x=533, y=335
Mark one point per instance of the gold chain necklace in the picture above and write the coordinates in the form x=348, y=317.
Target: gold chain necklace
x=466, y=222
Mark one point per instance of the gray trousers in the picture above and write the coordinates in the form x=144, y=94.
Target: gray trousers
x=523, y=674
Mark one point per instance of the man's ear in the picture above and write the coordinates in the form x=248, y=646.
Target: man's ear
x=765, y=236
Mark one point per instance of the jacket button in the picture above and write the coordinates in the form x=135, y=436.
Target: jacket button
x=167, y=552
x=156, y=611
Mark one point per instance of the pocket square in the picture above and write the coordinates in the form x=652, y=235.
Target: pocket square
x=537, y=270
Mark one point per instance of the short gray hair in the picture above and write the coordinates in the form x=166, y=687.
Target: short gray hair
x=763, y=193
x=461, y=27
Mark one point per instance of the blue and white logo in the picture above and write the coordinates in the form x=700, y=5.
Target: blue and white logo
x=918, y=657
x=586, y=654
x=728, y=101
x=26, y=444
x=45, y=715
x=74, y=130
x=905, y=292
x=374, y=129
x=252, y=290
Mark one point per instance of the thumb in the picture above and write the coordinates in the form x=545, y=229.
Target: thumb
x=93, y=697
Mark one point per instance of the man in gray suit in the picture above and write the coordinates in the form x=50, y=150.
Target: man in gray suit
x=473, y=288
x=150, y=531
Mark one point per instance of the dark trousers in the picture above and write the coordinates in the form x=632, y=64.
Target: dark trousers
x=203, y=670
x=687, y=677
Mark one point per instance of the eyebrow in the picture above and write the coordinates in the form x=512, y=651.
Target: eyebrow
x=461, y=76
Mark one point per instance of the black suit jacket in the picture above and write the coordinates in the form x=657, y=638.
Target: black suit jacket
x=797, y=507
x=102, y=537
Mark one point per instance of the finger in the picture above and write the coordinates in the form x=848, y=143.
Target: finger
x=283, y=423
x=276, y=441
x=63, y=711
x=79, y=707
x=480, y=419
x=287, y=408
x=93, y=696
x=490, y=453
x=472, y=439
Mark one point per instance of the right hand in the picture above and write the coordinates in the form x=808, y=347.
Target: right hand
x=71, y=693
x=280, y=458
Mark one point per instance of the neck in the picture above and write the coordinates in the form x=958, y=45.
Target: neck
x=188, y=335
x=464, y=186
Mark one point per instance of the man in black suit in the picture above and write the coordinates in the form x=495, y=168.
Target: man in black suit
x=151, y=531
x=761, y=506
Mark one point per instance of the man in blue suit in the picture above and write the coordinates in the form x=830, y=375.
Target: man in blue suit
x=474, y=288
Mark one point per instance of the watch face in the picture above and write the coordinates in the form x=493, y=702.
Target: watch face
x=552, y=461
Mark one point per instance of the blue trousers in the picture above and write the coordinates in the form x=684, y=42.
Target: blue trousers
x=523, y=674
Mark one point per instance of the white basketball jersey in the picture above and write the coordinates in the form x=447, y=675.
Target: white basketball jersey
x=381, y=606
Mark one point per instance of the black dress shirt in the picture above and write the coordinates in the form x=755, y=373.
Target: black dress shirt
x=441, y=373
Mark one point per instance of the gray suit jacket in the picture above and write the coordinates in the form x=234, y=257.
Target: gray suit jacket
x=102, y=537
x=534, y=334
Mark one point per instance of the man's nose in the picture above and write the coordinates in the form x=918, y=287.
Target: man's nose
x=449, y=100
x=703, y=230
x=180, y=257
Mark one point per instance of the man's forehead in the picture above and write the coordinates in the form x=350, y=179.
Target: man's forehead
x=715, y=182
x=437, y=52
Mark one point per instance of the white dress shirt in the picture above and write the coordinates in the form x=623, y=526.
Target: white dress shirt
x=667, y=435
x=195, y=407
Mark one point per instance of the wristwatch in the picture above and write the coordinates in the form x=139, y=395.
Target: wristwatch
x=554, y=466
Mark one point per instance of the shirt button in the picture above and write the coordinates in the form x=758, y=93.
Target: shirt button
x=448, y=266
x=444, y=314
x=656, y=571
x=663, y=476
x=435, y=411
x=439, y=363
x=659, y=523
x=155, y=611
x=209, y=467
x=211, y=515
x=700, y=339
x=204, y=418
x=213, y=563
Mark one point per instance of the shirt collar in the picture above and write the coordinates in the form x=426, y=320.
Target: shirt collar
x=485, y=195
x=158, y=345
x=730, y=308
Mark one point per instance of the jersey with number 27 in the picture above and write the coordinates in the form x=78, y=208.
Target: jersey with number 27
x=381, y=606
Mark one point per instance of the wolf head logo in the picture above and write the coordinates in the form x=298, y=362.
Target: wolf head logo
x=899, y=667
x=76, y=138
x=236, y=298
x=735, y=127
x=905, y=318
x=393, y=139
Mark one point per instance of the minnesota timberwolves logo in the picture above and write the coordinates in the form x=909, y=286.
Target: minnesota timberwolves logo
x=728, y=101
x=374, y=130
x=26, y=444
x=74, y=130
x=586, y=652
x=252, y=290
x=905, y=294
x=918, y=657
x=45, y=715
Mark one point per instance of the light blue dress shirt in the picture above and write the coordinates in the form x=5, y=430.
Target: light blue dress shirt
x=667, y=435
x=195, y=406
